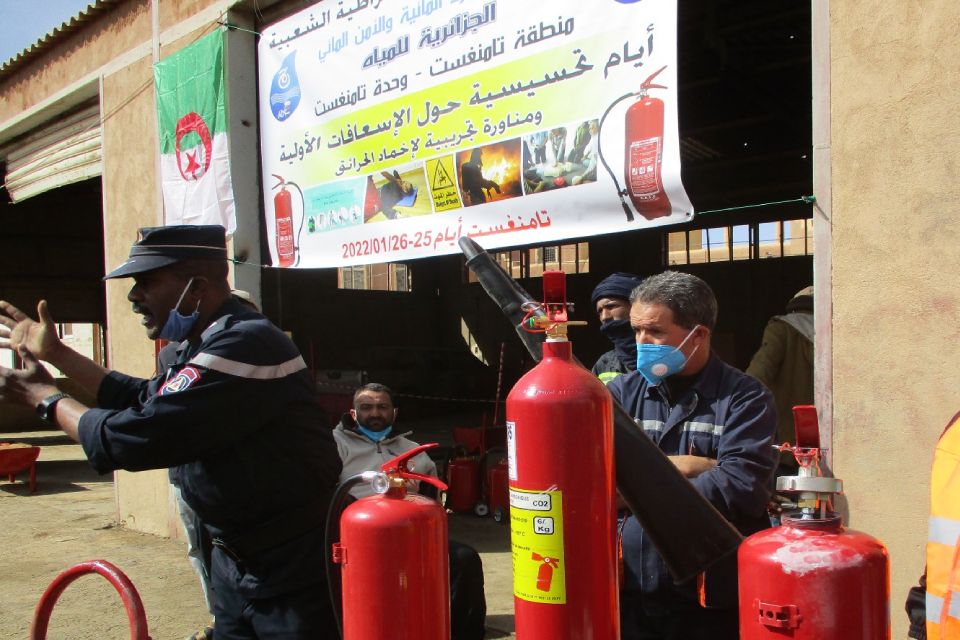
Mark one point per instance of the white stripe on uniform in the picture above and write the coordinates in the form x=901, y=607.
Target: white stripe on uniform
x=244, y=370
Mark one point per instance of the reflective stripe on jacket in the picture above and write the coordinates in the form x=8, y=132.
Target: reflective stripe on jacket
x=608, y=367
x=725, y=415
x=943, y=538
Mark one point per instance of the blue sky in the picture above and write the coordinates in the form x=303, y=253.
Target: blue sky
x=23, y=22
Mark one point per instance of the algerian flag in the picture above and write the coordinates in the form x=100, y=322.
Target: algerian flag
x=194, y=154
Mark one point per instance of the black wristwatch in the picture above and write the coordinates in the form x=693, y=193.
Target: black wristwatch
x=45, y=408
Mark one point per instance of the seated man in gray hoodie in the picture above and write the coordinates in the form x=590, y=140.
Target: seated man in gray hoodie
x=366, y=439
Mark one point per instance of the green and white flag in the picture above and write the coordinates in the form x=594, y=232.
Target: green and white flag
x=194, y=152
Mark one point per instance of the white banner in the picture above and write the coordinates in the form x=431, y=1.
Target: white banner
x=391, y=129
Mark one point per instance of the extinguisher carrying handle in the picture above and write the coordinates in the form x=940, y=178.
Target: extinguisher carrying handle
x=648, y=83
x=686, y=529
x=398, y=467
x=806, y=426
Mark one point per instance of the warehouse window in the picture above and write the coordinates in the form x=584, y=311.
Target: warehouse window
x=755, y=241
x=387, y=276
x=531, y=262
x=86, y=339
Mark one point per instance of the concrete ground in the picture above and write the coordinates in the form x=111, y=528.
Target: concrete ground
x=71, y=518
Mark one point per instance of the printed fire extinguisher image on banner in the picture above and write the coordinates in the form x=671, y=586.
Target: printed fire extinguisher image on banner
x=643, y=146
x=643, y=150
x=287, y=238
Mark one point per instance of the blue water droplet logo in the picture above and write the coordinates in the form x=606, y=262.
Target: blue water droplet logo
x=285, y=89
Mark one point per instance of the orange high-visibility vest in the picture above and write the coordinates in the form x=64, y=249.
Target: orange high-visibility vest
x=943, y=538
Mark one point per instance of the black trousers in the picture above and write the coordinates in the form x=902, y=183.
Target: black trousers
x=301, y=615
x=687, y=624
x=468, y=605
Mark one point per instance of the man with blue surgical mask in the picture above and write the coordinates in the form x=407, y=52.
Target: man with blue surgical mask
x=717, y=425
x=232, y=412
x=366, y=438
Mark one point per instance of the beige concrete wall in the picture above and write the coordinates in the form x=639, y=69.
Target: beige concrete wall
x=173, y=12
x=895, y=73
x=129, y=203
x=98, y=44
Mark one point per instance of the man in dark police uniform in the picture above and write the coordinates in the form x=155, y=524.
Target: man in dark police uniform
x=235, y=417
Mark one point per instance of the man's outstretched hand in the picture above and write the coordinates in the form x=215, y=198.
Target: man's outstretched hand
x=18, y=330
x=26, y=386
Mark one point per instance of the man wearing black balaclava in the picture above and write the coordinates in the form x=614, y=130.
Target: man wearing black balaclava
x=611, y=299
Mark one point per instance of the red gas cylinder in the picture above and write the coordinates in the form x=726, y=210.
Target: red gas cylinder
x=499, y=491
x=813, y=580
x=560, y=445
x=463, y=476
x=810, y=579
x=562, y=495
x=393, y=553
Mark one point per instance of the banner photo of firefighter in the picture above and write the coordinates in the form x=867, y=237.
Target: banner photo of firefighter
x=388, y=132
x=490, y=173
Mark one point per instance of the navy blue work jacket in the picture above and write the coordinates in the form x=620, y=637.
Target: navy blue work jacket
x=725, y=415
x=236, y=418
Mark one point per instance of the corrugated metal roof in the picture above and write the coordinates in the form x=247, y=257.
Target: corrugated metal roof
x=47, y=42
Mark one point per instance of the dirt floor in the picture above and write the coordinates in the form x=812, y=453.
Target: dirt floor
x=71, y=519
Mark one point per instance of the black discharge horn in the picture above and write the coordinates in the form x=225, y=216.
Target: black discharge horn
x=688, y=531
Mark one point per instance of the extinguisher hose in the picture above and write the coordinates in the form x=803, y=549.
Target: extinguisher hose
x=332, y=534
x=303, y=214
x=616, y=183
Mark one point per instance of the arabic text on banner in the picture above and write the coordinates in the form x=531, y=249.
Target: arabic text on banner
x=390, y=130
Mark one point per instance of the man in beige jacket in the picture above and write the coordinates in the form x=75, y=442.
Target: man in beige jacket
x=784, y=363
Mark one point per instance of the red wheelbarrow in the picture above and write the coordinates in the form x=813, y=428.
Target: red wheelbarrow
x=15, y=457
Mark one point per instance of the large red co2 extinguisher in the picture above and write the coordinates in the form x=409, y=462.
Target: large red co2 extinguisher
x=810, y=578
x=561, y=478
x=643, y=146
x=393, y=555
x=283, y=216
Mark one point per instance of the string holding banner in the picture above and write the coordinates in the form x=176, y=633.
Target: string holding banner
x=811, y=199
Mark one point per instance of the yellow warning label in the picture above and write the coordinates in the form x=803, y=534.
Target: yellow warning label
x=536, y=535
x=443, y=183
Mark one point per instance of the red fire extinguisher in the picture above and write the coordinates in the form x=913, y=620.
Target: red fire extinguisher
x=561, y=480
x=283, y=218
x=463, y=474
x=643, y=146
x=499, y=489
x=810, y=578
x=393, y=555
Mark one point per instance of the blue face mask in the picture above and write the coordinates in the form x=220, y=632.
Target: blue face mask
x=657, y=361
x=376, y=436
x=178, y=325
